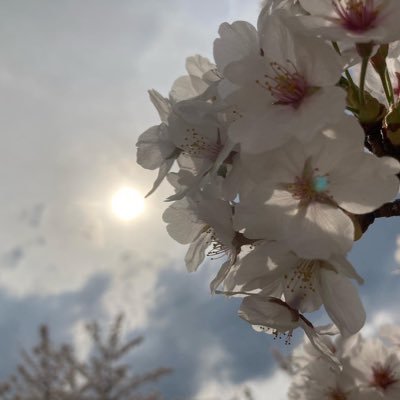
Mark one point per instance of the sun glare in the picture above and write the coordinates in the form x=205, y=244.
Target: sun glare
x=127, y=203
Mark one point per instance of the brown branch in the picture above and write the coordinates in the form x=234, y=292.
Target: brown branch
x=388, y=210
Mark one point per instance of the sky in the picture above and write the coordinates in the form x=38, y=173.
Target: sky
x=74, y=77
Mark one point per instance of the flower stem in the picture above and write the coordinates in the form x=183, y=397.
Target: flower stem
x=386, y=89
x=364, y=67
x=364, y=51
x=390, y=87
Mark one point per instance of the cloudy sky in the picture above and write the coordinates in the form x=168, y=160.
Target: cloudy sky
x=74, y=76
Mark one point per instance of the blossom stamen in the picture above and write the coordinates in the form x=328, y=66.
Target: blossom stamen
x=357, y=15
x=196, y=145
x=286, y=85
x=310, y=187
x=302, y=277
x=218, y=249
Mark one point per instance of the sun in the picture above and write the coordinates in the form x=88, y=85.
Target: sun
x=127, y=203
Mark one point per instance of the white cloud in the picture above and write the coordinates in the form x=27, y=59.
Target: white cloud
x=274, y=386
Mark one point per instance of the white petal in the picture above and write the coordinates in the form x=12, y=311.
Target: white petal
x=196, y=252
x=319, y=344
x=319, y=231
x=218, y=214
x=222, y=274
x=343, y=266
x=362, y=183
x=186, y=87
x=162, y=173
x=312, y=115
x=183, y=224
x=258, y=133
x=154, y=147
x=265, y=221
x=237, y=41
x=198, y=65
x=342, y=302
x=264, y=268
x=317, y=7
x=162, y=105
x=268, y=312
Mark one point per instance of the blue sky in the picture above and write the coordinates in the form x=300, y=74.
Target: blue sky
x=74, y=78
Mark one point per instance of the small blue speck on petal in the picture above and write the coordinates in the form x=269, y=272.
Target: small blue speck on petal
x=320, y=183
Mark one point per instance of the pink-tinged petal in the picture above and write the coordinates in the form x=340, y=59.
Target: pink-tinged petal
x=319, y=231
x=342, y=302
x=361, y=184
x=197, y=251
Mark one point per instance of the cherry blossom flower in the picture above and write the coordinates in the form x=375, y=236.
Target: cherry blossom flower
x=189, y=124
x=318, y=381
x=273, y=316
x=305, y=193
x=304, y=284
x=202, y=75
x=155, y=149
x=204, y=222
x=361, y=21
x=282, y=82
x=376, y=370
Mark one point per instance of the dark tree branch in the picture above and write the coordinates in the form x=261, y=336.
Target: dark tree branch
x=388, y=210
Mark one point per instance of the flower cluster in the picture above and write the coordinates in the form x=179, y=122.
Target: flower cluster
x=280, y=160
x=371, y=369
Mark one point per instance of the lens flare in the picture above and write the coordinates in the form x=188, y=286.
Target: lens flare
x=127, y=203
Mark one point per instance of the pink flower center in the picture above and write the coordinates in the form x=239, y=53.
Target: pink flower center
x=310, y=186
x=337, y=394
x=286, y=85
x=357, y=15
x=382, y=376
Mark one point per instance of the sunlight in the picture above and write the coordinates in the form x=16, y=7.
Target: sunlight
x=127, y=203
